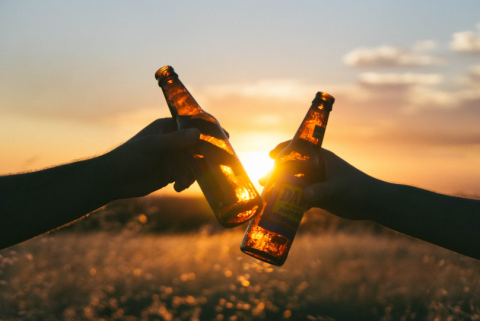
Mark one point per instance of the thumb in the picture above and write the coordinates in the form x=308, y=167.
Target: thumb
x=319, y=195
x=264, y=179
x=156, y=145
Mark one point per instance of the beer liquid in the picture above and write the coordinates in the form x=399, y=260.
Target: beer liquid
x=269, y=235
x=219, y=173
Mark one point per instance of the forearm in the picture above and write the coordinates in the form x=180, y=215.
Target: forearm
x=447, y=221
x=35, y=203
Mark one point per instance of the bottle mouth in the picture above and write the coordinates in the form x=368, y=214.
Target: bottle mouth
x=164, y=72
x=324, y=99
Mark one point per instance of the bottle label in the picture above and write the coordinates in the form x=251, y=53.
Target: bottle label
x=284, y=209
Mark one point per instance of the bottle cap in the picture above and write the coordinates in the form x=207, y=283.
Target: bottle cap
x=164, y=72
x=324, y=99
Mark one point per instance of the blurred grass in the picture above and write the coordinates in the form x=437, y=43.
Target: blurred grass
x=192, y=214
x=119, y=268
x=205, y=277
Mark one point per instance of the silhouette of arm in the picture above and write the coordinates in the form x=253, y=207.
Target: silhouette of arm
x=37, y=202
x=447, y=221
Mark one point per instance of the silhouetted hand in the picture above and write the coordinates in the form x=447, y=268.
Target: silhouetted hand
x=37, y=202
x=346, y=191
x=447, y=221
x=152, y=159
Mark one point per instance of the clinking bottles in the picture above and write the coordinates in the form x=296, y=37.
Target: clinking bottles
x=269, y=236
x=222, y=178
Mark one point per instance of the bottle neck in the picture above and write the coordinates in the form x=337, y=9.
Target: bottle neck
x=312, y=128
x=179, y=100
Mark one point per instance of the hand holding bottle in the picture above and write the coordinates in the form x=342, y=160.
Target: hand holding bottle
x=36, y=202
x=151, y=160
x=345, y=191
x=447, y=221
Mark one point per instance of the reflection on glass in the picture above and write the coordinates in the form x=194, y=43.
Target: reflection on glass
x=221, y=143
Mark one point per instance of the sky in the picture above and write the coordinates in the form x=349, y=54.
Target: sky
x=77, y=79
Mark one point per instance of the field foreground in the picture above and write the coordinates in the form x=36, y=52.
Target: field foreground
x=125, y=276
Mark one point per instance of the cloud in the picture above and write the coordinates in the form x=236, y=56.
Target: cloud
x=264, y=105
x=473, y=76
x=271, y=89
x=422, y=98
x=398, y=81
x=466, y=41
x=412, y=93
x=388, y=56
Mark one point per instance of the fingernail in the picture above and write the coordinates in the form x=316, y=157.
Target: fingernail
x=192, y=135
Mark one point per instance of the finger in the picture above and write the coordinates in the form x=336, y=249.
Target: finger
x=185, y=183
x=328, y=156
x=159, y=126
x=226, y=133
x=336, y=166
x=274, y=152
x=157, y=145
x=264, y=179
x=183, y=176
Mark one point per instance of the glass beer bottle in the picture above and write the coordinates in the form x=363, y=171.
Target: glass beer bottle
x=269, y=235
x=222, y=178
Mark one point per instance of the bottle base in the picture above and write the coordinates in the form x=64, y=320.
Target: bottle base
x=262, y=256
x=238, y=214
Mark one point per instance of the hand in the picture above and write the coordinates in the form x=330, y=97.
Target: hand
x=346, y=191
x=150, y=160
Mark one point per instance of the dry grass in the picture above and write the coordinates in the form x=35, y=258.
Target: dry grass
x=125, y=276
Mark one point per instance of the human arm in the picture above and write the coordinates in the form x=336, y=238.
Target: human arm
x=37, y=202
x=447, y=221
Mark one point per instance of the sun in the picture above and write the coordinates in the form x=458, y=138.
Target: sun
x=256, y=164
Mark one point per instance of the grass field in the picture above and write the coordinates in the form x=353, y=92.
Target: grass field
x=197, y=276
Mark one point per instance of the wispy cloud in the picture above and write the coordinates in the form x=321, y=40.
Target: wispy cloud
x=466, y=41
x=389, y=56
x=423, y=98
x=279, y=89
x=394, y=80
x=473, y=76
x=414, y=93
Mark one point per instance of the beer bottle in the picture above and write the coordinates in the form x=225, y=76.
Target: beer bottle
x=269, y=235
x=219, y=173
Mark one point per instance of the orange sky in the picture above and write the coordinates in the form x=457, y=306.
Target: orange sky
x=75, y=82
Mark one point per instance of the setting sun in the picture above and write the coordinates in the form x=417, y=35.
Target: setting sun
x=256, y=164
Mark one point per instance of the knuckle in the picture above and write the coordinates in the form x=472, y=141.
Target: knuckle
x=160, y=121
x=164, y=125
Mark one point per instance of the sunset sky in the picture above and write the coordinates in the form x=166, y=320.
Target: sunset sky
x=77, y=78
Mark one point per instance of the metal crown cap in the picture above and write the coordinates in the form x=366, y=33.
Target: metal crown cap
x=164, y=72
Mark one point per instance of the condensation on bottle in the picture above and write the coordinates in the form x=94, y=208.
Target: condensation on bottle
x=269, y=235
x=217, y=169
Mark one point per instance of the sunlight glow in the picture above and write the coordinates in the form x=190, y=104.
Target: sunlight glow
x=244, y=191
x=257, y=164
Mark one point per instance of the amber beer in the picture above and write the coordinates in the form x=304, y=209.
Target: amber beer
x=222, y=178
x=269, y=235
